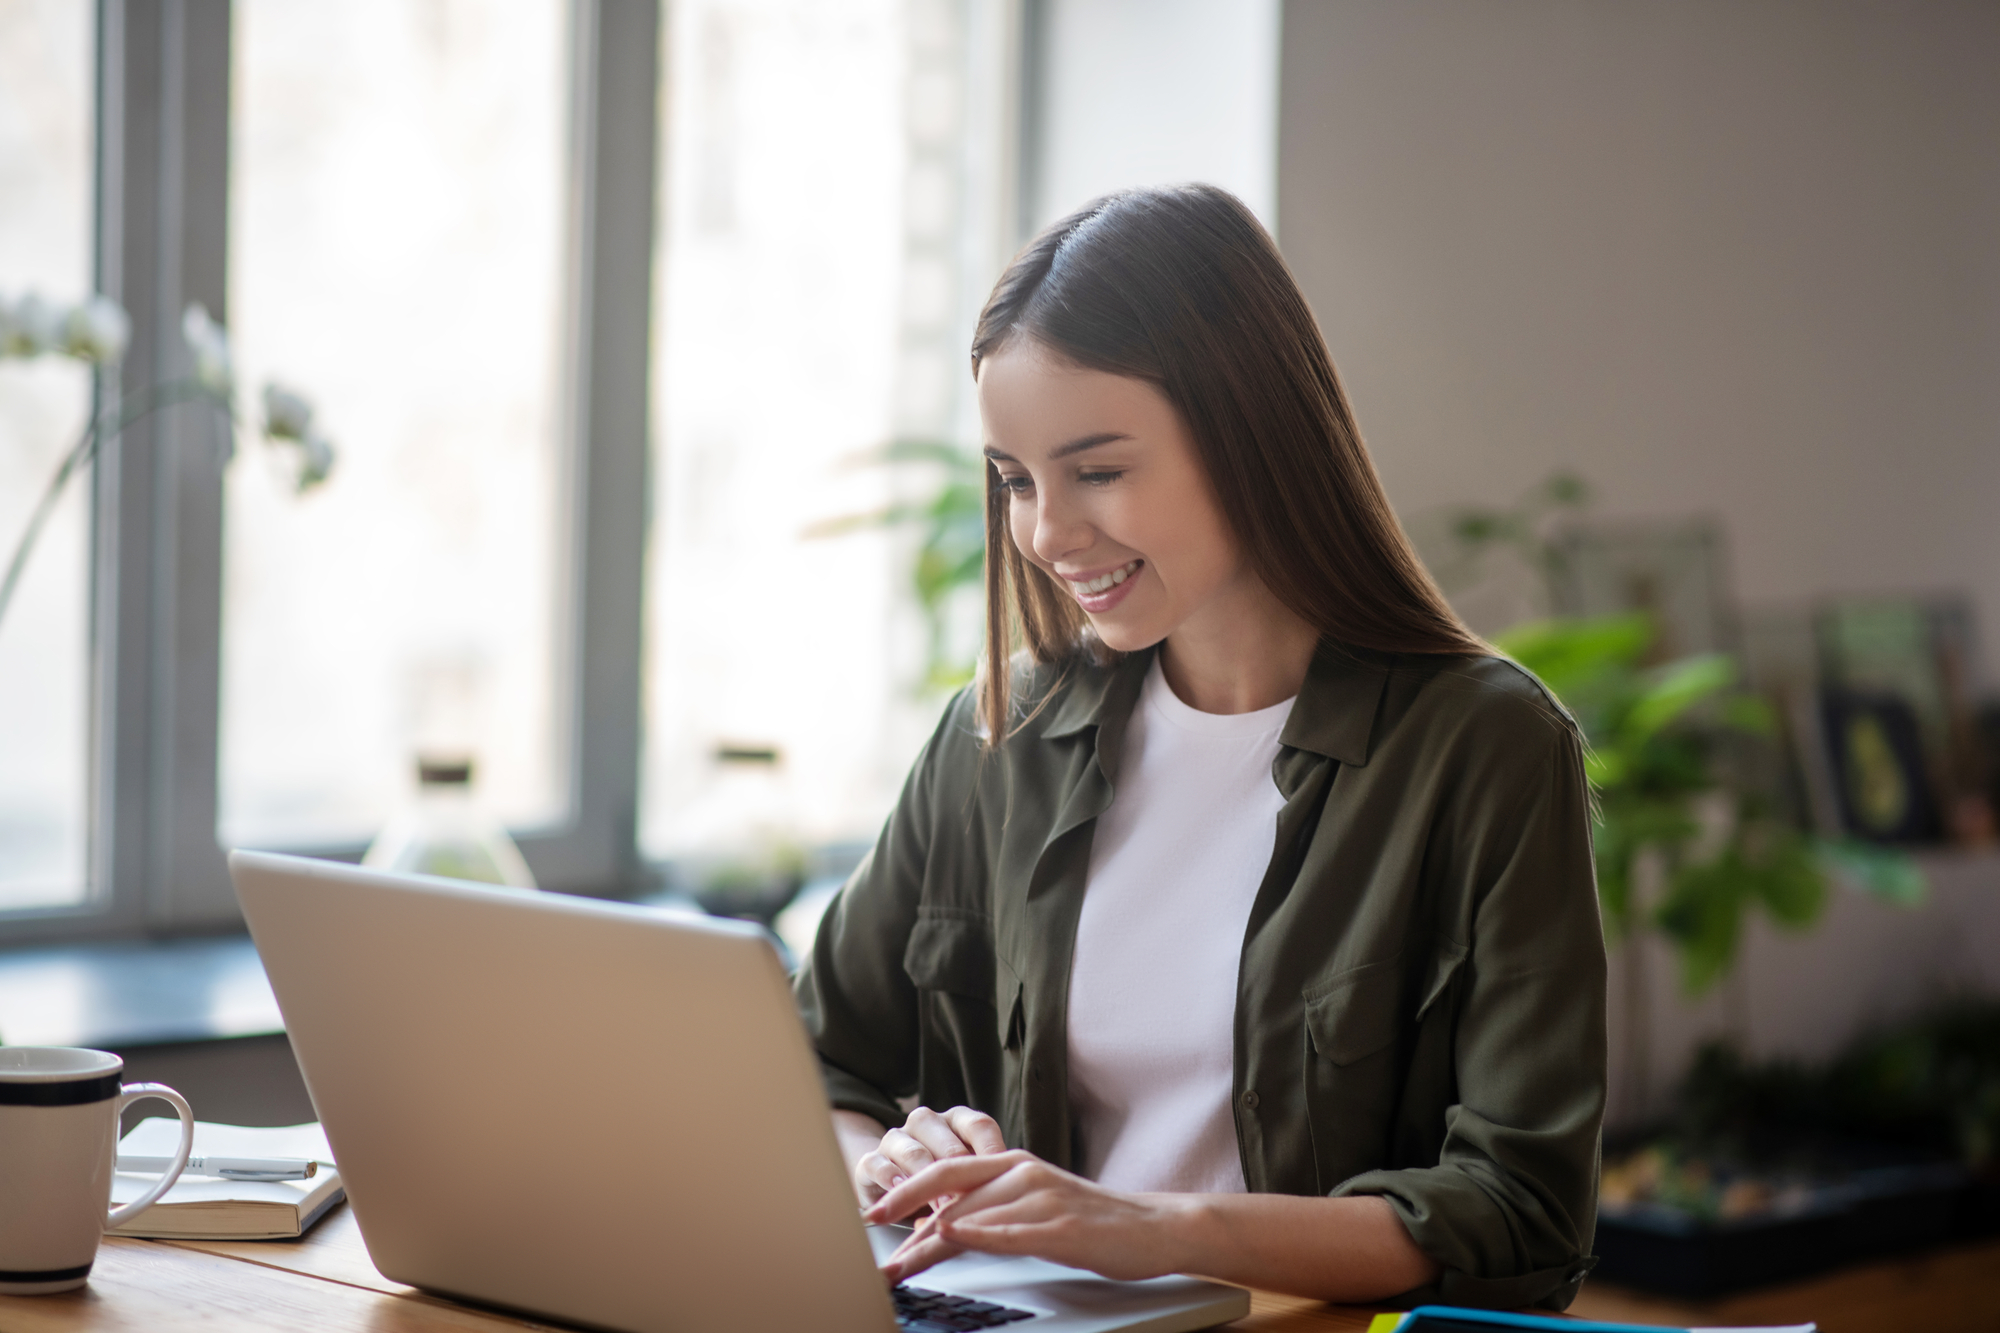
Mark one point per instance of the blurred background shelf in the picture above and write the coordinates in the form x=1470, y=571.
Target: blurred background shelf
x=1955, y=1290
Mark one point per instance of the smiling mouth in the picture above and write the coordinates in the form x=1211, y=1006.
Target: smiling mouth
x=1105, y=582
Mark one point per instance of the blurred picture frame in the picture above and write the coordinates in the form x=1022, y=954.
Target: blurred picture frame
x=1920, y=650
x=1677, y=572
x=1875, y=744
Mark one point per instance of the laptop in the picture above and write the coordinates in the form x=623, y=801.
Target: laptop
x=609, y=1115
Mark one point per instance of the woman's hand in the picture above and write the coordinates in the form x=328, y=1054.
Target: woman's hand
x=1015, y=1203
x=926, y=1138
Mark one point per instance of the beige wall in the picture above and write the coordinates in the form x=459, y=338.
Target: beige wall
x=1728, y=257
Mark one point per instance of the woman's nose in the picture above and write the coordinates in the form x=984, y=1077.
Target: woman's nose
x=1059, y=529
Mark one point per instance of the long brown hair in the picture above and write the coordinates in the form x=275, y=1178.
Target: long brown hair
x=1182, y=286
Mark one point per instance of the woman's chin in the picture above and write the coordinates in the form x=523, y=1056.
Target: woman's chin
x=1124, y=634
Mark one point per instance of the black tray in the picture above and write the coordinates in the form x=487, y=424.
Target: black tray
x=1881, y=1214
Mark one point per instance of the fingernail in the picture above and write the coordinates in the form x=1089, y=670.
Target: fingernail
x=896, y=1180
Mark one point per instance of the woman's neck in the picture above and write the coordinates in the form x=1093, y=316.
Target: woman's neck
x=1250, y=654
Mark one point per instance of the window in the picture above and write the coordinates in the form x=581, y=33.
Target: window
x=832, y=222
x=47, y=62
x=443, y=229
x=438, y=223
x=397, y=253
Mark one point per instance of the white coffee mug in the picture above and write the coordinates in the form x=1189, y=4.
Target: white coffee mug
x=58, y=1146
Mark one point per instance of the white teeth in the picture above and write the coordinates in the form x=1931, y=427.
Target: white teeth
x=1103, y=581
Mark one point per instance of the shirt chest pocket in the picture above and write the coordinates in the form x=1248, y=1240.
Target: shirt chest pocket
x=1360, y=1028
x=1355, y=1015
x=950, y=955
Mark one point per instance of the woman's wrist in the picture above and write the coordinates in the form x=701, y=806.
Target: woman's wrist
x=1190, y=1231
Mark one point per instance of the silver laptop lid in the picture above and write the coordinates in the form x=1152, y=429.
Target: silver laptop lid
x=571, y=1107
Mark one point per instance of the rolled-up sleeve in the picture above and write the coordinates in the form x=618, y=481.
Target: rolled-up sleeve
x=1510, y=1208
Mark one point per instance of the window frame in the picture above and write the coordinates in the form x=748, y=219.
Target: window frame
x=155, y=864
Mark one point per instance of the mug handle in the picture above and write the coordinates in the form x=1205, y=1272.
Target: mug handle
x=139, y=1092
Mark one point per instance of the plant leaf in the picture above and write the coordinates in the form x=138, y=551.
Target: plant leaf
x=1702, y=914
x=1790, y=882
x=1569, y=654
x=1749, y=713
x=1675, y=688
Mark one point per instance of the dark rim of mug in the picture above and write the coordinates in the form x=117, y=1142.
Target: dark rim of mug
x=10, y=1275
x=69, y=1092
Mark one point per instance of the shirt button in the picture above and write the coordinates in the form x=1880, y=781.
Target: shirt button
x=1250, y=1100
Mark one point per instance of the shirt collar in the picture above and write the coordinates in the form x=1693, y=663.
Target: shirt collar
x=1334, y=716
x=1338, y=704
x=1100, y=694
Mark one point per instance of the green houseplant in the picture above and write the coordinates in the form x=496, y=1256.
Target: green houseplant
x=1719, y=849
x=950, y=555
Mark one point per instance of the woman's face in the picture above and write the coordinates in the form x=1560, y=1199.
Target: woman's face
x=1106, y=493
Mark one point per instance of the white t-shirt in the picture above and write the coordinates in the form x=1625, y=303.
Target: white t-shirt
x=1175, y=865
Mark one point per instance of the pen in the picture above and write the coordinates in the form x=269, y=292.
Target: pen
x=228, y=1168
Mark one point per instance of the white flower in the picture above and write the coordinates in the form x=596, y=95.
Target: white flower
x=315, y=462
x=288, y=419
x=210, y=346
x=97, y=330
x=288, y=415
x=29, y=327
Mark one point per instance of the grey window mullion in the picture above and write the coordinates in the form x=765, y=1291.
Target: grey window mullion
x=614, y=144
x=158, y=585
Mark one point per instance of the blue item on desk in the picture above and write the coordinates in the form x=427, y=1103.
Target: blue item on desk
x=1459, y=1319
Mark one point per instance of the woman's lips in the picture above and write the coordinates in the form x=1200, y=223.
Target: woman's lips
x=1106, y=590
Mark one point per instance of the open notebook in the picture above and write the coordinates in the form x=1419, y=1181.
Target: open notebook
x=200, y=1208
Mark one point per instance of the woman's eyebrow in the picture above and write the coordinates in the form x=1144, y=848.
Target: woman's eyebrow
x=1075, y=446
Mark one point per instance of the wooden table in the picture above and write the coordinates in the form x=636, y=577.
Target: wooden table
x=325, y=1283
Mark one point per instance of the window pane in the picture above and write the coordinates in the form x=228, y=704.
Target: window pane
x=398, y=240
x=781, y=321
x=46, y=87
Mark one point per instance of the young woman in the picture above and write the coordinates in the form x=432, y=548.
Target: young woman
x=1243, y=922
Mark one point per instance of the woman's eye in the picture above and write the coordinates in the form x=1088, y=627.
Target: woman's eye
x=1016, y=485
x=1100, y=478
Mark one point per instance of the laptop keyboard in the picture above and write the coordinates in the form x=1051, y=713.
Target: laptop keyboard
x=920, y=1311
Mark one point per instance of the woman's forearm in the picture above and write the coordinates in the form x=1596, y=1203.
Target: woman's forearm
x=1352, y=1249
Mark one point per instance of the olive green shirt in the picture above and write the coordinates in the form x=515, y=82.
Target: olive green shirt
x=1420, y=999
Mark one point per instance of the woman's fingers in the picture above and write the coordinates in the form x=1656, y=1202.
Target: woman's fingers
x=940, y=1134
x=976, y=1129
x=959, y=1175
x=878, y=1174
x=1022, y=1192
x=923, y=1249
x=909, y=1153
x=1015, y=1203
x=926, y=1138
